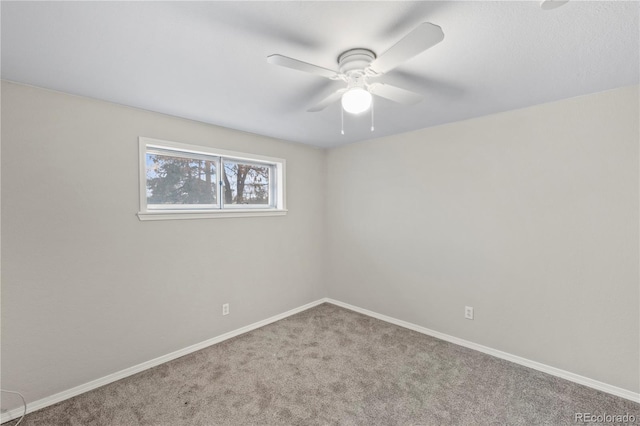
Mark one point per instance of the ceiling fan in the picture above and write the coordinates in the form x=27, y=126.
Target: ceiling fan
x=358, y=66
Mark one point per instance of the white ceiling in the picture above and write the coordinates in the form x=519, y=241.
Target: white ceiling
x=207, y=60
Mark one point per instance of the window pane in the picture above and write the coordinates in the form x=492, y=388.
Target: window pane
x=246, y=183
x=175, y=180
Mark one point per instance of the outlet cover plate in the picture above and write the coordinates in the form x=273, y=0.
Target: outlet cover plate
x=468, y=312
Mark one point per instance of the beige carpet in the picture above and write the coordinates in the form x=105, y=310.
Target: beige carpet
x=332, y=366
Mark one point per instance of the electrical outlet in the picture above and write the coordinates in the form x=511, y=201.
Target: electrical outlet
x=468, y=312
x=225, y=309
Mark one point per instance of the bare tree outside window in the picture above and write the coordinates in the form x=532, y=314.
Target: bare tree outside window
x=176, y=180
x=245, y=183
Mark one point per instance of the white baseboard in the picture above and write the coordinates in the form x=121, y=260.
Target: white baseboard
x=69, y=393
x=576, y=378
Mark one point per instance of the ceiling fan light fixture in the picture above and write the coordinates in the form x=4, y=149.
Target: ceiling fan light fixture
x=356, y=100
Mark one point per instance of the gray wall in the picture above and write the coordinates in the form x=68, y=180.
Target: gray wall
x=529, y=216
x=87, y=288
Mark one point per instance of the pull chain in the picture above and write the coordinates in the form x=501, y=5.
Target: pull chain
x=372, y=126
x=342, y=119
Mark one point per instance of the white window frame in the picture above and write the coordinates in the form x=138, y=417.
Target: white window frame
x=187, y=211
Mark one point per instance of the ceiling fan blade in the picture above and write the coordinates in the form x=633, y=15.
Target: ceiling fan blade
x=327, y=101
x=426, y=35
x=295, y=64
x=394, y=93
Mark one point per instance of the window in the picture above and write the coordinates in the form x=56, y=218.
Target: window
x=179, y=181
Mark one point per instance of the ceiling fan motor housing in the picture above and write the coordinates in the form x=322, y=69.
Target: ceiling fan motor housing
x=353, y=63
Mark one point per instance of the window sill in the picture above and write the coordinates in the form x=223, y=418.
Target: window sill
x=208, y=214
